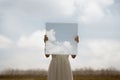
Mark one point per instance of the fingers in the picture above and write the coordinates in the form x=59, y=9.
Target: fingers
x=77, y=39
x=45, y=38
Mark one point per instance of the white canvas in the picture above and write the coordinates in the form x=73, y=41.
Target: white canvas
x=61, y=38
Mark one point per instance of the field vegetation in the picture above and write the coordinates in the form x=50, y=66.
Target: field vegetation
x=79, y=74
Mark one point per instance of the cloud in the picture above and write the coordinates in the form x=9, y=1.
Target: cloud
x=93, y=9
x=22, y=58
x=51, y=35
x=28, y=53
x=42, y=9
x=25, y=53
x=98, y=53
x=102, y=47
x=56, y=47
x=5, y=42
x=23, y=16
x=35, y=40
x=67, y=44
x=17, y=16
x=59, y=47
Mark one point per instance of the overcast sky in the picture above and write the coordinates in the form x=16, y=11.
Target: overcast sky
x=61, y=38
x=22, y=26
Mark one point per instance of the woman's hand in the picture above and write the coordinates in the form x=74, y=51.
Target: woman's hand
x=45, y=38
x=77, y=39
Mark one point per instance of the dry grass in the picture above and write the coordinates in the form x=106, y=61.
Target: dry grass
x=76, y=77
x=87, y=74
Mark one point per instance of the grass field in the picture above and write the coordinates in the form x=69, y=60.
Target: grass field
x=76, y=77
x=83, y=74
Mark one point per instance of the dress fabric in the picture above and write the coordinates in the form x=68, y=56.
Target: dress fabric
x=59, y=68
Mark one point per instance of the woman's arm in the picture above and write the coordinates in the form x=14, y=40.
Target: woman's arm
x=45, y=40
x=77, y=40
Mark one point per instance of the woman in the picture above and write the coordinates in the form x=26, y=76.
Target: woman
x=59, y=68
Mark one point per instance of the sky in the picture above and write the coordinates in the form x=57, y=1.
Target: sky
x=61, y=38
x=22, y=28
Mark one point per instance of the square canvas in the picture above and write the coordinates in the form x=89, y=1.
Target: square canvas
x=61, y=38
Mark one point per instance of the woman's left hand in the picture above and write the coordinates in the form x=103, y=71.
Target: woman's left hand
x=73, y=56
x=77, y=39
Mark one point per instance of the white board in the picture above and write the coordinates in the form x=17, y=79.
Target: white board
x=61, y=38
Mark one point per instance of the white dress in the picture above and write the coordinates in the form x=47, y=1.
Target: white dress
x=59, y=68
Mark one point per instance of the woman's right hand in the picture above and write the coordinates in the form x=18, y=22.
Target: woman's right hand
x=45, y=38
x=47, y=55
